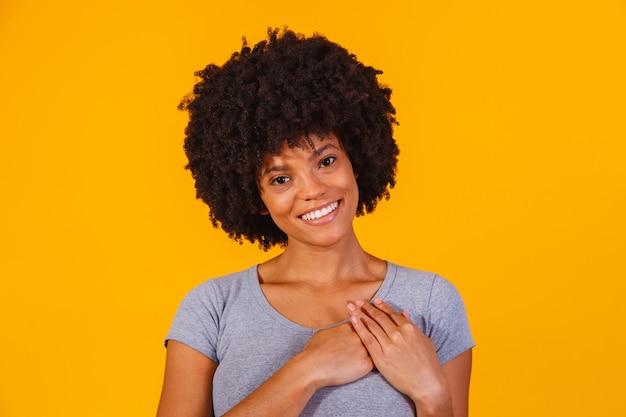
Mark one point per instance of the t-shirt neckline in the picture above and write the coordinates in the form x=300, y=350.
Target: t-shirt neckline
x=253, y=279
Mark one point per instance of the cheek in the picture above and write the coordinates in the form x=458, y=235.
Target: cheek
x=350, y=183
x=274, y=203
x=354, y=191
x=270, y=202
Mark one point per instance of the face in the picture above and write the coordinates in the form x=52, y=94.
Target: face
x=311, y=192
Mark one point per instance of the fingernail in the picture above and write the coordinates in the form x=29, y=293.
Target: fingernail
x=360, y=303
x=351, y=307
x=354, y=319
x=378, y=301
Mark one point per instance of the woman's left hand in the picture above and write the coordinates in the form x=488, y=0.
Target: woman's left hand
x=403, y=354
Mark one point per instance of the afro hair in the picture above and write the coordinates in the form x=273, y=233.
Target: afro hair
x=280, y=90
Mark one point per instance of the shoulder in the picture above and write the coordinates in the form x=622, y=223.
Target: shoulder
x=214, y=292
x=415, y=281
x=223, y=284
x=438, y=310
x=412, y=275
x=199, y=318
x=423, y=281
x=432, y=299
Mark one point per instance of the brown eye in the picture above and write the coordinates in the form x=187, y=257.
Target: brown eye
x=279, y=180
x=327, y=161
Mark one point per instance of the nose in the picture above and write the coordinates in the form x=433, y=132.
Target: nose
x=311, y=187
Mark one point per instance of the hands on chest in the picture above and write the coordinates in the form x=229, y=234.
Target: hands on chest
x=378, y=336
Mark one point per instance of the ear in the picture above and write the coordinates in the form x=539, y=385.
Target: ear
x=263, y=210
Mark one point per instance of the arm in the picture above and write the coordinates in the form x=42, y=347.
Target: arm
x=408, y=360
x=187, y=384
x=457, y=372
x=333, y=356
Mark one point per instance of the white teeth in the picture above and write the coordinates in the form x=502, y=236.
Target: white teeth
x=316, y=214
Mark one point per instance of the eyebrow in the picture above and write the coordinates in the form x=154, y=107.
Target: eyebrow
x=315, y=154
x=318, y=152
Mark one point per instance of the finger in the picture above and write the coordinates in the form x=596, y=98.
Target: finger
x=374, y=328
x=396, y=317
x=368, y=339
x=360, y=318
x=383, y=319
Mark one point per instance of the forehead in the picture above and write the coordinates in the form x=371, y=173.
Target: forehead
x=309, y=146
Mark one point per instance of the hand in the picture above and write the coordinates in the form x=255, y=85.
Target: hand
x=337, y=356
x=404, y=355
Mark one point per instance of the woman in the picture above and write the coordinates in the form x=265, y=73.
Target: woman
x=287, y=142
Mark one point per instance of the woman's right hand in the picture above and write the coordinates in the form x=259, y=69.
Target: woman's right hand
x=336, y=356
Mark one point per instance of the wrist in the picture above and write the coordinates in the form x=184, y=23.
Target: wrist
x=435, y=403
x=308, y=375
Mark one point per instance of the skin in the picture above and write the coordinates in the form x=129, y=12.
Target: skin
x=323, y=277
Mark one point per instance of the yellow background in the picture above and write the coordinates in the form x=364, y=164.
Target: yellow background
x=512, y=184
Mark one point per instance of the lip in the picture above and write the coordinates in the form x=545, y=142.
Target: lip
x=331, y=207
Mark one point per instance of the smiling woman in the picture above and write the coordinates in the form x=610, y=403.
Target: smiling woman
x=287, y=142
x=310, y=191
x=283, y=91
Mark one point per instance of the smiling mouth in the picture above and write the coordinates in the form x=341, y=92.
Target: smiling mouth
x=324, y=211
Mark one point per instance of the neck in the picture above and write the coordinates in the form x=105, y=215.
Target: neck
x=345, y=261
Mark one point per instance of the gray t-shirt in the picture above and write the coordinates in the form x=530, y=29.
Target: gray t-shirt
x=229, y=320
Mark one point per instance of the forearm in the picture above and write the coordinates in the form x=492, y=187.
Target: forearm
x=333, y=356
x=284, y=394
x=435, y=400
x=439, y=408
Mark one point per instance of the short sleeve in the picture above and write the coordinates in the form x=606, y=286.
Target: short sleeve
x=196, y=323
x=448, y=323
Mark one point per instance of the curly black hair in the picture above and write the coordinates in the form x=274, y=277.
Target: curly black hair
x=281, y=90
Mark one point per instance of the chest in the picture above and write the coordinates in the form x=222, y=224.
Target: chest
x=317, y=308
x=251, y=351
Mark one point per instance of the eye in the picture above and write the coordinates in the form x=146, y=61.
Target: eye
x=279, y=180
x=327, y=161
